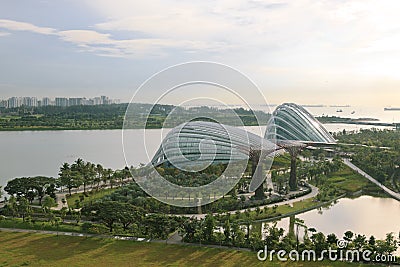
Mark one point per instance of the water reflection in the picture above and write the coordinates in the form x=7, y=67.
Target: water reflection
x=364, y=215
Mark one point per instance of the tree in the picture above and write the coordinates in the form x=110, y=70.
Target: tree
x=99, y=170
x=331, y=239
x=30, y=187
x=255, y=241
x=42, y=186
x=108, y=173
x=159, y=225
x=129, y=215
x=114, y=177
x=83, y=172
x=320, y=243
x=12, y=206
x=387, y=246
x=227, y=231
x=69, y=178
x=348, y=235
x=273, y=236
x=48, y=203
x=88, y=173
x=190, y=227
x=360, y=241
x=17, y=187
x=209, y=227
x=23, y=208
x=372, y=241
x=107, y=212
x=63, y=213
x=126, y=173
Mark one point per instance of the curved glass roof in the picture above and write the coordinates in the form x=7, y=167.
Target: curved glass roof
x=199, y=142
x=292, y=122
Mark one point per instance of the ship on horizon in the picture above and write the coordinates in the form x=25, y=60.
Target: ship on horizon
x=391, y=109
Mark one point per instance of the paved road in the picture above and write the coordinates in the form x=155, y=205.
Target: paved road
x=387, y=190
x=314, y=192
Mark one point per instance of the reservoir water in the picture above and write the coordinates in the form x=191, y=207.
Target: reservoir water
x=31, y=153
x=362, y=215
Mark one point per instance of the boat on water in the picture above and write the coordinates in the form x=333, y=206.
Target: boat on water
x=391, y=109
x=339, y=110
x=353, y=112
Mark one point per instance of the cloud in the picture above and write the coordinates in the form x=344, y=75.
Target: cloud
x=23, y=26
x=303, y=33
x=104, y=45
x=4, y=33
x=86, y=37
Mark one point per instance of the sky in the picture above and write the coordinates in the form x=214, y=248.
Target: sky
x=308, y=52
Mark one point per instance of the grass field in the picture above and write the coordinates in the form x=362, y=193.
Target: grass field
x=25, y=249
x=349, y=180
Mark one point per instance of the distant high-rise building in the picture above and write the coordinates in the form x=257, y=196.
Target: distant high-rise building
x=89, y=102
x=14, y=102
x=97, y=101
x=46, y=101
x=104, y=100
x=29, y=101
x=61, y=102
x=4, y=104
x=75, y=101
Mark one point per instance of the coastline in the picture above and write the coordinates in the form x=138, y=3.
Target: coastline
x=43, y=129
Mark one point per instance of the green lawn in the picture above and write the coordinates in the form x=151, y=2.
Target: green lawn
x=349, y=180
x=91, y=196
x=297, y=206
x=25, y=249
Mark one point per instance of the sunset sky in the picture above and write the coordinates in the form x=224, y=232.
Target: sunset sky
x=309, y=52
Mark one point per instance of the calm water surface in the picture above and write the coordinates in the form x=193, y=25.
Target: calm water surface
x=363, y=215
x=367, y=215
x=30, y=153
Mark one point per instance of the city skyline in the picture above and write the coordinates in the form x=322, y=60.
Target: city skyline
x=299, y=51
x=33, y=101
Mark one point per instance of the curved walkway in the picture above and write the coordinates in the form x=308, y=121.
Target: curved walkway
x=314, y=192
x=384, y=188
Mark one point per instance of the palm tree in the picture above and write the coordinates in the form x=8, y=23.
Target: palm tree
x=88, y=174
x=114, y=177
x=99, y=170
x=126, y=173
x=66, y=177
x=107, y=175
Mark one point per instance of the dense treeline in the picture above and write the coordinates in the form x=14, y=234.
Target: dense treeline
x=372, y=137
x=377, y=153
x=112, y=116
x=32, y=187
x=225, y=230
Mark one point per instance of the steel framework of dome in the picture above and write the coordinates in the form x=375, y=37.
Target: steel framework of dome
x=199, y=142
x=292, y=122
